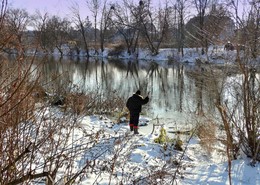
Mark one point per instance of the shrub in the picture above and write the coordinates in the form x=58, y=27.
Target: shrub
x=207, y=135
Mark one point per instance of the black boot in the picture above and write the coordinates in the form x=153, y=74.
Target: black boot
x=131, y=128
x=136, y=131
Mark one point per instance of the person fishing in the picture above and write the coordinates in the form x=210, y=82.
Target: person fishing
x=134, y=105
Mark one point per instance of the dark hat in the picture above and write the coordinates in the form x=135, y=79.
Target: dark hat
x=138, y=92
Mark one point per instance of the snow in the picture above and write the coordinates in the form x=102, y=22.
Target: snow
x=138, y=157
x=216, y=174
x=216, y=54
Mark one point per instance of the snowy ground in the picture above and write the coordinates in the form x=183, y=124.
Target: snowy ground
x=139, y=157
x=139, y=160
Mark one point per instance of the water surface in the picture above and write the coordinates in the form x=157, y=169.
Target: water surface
x=172, y=90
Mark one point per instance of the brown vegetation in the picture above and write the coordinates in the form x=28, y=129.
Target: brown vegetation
x=207, y=134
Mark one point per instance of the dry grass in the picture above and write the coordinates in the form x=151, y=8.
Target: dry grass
x=79, y=103
x=207, y=135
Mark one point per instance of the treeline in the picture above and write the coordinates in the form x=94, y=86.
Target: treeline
x=128, y=25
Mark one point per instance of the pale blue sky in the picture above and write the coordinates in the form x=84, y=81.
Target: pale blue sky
x=61, y=7
x=54, y=7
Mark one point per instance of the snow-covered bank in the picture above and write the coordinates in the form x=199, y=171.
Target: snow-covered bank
x=139, y=160
x=215, y=54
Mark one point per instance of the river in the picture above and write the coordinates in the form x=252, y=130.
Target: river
x=173, y=92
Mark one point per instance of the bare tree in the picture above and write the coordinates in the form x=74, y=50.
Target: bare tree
x=58, y=31
x=147, y=20
x=145, y=25
x=94, y=6
x=82, y=26
x=16, y=22
x=252, y=28
x=162, y=25
x=180, y=7
x=3, y=10
x=218, y=20
x=124, y=23
x=247, y=18
x=39, y=22
x=201, y=6
x=105, y=23
x=3, y=33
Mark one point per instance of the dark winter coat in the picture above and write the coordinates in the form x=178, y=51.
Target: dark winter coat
x=135, y=102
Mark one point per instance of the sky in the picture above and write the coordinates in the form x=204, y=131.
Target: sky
x=61, y=7
x=54, y=7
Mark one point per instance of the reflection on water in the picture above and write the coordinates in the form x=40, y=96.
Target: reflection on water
x=172, y=91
